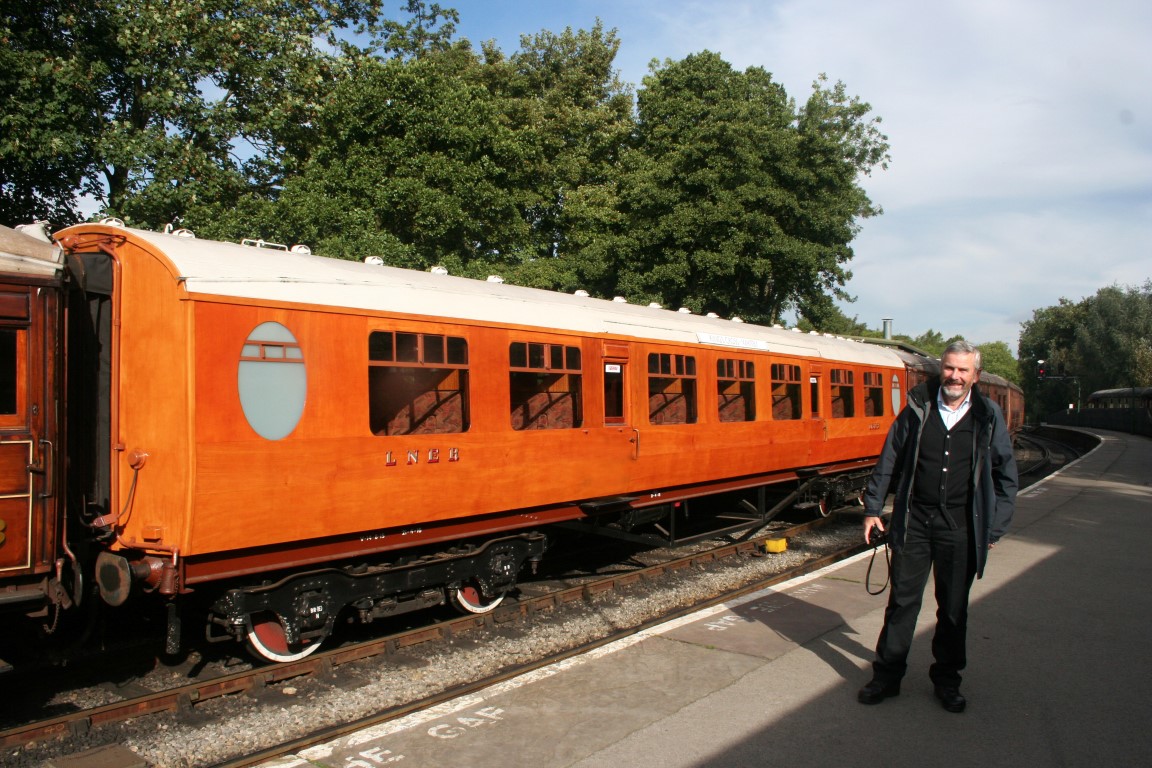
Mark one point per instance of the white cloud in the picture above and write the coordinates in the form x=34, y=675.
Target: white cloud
x=1020, y=132
x=1020, y=135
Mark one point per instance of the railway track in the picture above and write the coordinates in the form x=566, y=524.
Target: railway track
x=1038, y=455
x=76, y=731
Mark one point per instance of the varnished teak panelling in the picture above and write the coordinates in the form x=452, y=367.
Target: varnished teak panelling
x=151, y=415
x=206, y=482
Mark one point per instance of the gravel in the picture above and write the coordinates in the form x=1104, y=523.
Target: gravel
x=231, y=726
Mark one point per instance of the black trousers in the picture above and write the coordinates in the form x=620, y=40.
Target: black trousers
x=930, y=546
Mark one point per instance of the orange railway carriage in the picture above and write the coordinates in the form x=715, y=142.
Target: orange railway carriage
x=312, y=437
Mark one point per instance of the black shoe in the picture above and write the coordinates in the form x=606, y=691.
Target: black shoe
x=876, y=691
x=951, y=698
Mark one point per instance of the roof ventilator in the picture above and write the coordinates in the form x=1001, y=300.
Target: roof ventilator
x=178, y=232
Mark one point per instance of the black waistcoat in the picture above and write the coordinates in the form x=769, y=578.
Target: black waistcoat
x=944, y=469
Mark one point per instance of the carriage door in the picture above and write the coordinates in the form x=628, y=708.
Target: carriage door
x=817, y=416
x=617, y=414
x=27, y=444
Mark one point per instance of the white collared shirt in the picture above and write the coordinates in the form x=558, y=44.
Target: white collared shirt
x=949, y=415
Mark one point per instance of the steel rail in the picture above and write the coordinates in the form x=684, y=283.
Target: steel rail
x=184, y=699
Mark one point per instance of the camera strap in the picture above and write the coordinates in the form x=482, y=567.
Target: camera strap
x=871, y=562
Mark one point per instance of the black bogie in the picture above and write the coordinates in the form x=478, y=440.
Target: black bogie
x=307, y=604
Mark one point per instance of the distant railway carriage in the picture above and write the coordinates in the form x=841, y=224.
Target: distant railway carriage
x=1009, y=396
x=1128, y=398
x=1125, y=409
x=301, y=438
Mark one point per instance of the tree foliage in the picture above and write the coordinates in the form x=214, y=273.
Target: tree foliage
x=736, y=202
x=931, y=341
x=168, y=105
x=824, y=316
x=1101, y=342
x=572, y=116
x=410, y=162
x=323, y=121
x=997, y=358
x=46, y=128
x=330, y=123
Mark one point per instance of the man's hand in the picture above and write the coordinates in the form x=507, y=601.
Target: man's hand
x=870, y=522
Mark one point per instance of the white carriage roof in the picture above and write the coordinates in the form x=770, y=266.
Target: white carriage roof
x=26, y=254
x=226, y=269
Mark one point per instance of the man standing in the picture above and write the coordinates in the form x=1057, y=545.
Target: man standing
x=948, y=459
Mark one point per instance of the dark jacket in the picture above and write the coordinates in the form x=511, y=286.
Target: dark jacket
x=993, y=469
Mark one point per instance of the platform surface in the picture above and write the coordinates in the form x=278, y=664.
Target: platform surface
x=1059, y=673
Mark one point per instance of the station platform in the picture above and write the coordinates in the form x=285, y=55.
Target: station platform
x=1059, y=671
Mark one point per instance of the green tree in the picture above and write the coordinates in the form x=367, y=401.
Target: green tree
x=500, y=164
x=572, y=117
x=1102, y=342
x=410, y=162
x=931, y=341
x=997, y=358
x=838, y=143
x=822, y=315
x=1112, y=341
x=179, y=103
x=46, y=126
x=1142, y=361
x=734, y=201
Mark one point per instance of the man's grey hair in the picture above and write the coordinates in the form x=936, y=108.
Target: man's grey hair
x=966, y=348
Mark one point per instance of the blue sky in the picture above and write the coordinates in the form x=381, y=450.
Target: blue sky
x=1020, y=132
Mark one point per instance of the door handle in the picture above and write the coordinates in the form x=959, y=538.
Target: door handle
x=45, y=469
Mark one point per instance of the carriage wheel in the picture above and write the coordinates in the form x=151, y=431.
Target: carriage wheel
x=824, y=508
x=467, y=598
x=267, y=641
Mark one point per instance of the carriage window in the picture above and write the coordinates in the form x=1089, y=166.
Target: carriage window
x=736, y=390
x=786, y=403
x=417, y=383
x=843, y=393
x=873, y=394
x=545, y=386
x=272, y=381
x=613, y=393
x=671, y=389
x=9, y=368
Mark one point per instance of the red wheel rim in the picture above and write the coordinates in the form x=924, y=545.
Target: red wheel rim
x=469, y=599
x=267, y=640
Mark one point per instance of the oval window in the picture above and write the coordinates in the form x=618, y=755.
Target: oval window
x=272, y=381
x=897, y=400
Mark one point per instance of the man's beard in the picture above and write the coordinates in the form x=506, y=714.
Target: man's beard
x=955, y=391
